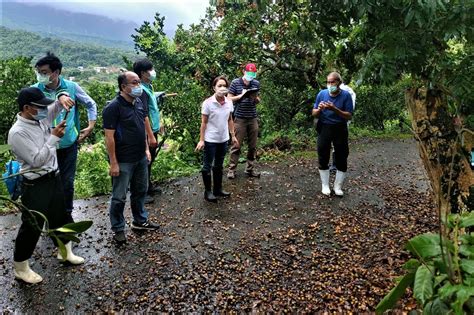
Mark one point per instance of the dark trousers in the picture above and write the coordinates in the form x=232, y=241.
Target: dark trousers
x=153, y=158
x=44, y=195
x=214, y=154
x=338, y=136
x=67, y=159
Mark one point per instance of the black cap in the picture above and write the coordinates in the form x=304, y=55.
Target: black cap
x=33, y=96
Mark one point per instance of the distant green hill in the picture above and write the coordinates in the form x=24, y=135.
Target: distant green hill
x=48, y=21
x=73, y=54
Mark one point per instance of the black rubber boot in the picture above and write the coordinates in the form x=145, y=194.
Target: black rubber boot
x=217, y=177
x=208, y=195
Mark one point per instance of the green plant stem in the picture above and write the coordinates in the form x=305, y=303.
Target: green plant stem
x=25, y=211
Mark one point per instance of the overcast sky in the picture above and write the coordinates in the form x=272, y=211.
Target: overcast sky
x=176, y=12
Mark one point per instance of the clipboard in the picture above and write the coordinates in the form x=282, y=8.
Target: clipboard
x=251, y=91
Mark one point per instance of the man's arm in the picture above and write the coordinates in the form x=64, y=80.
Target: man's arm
x=316, y=112
x=149, y=133
x=91, y=106
x=234, y=98
x=27, y=148
x=147, y=151
x=344, y=114
x=230, y=124
x=110, y=145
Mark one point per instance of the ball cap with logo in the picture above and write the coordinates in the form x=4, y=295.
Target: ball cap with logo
x=33, y=96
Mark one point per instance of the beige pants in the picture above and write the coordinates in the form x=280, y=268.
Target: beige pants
x=245, y=127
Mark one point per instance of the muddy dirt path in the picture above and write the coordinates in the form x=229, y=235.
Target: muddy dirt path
x=276, y=244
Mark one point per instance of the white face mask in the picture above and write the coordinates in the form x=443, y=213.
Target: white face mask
x=152, y=75
x=43, y=78
x=222, y=91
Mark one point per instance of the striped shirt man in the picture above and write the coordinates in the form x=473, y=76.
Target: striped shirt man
x=246, y=106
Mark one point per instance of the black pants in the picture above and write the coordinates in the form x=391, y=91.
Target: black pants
x=338, y=136
x=44, y=195
x=153, y=158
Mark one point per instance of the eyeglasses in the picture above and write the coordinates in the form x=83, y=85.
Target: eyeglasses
x=332, y=81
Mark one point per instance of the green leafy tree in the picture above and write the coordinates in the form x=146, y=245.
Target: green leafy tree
x=432, y=42
x=15, y=74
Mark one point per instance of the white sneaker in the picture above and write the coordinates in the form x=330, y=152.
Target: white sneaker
x=324, y=174
x=22, y=271
x=73, y=259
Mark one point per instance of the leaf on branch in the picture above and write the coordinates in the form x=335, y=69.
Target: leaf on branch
x=411, y=265
x=436, y=307
x=423, y=286
x=467, y=220
x=467, y=250
x=61, y=247
x=389, y=301
x=4, y=148
x=409, y=17
x=462, y=296
x=425, y=245
x=467, y=265
x=63, y=230
x=78, y=227
x=69, y=237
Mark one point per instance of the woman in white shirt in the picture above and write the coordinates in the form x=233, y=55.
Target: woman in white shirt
x=216, y=123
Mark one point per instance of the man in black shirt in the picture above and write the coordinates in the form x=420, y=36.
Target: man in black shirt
x=125, y=139
x=243, y=92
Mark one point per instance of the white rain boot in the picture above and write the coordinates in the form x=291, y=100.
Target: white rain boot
x=73, y=259
x=324, y=174
x=338, y=183
x=22, y=271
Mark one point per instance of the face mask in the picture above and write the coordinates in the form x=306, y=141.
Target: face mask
x=332, y=89
x=136, y=91
x=249, y=76
x=42, y=113
x=222, y=91
x=152, y=74
x=43, y=78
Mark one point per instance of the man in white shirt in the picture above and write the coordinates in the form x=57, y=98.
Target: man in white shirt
x=34, y=145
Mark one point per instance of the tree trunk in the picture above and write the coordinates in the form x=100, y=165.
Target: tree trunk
x=445, y=157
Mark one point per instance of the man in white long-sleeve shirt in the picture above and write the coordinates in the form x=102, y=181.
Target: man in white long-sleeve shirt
x=34, y=144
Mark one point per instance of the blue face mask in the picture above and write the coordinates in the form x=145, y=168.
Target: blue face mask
x=42, y=113
x=332, y=88
x=249, y=76
x=136, y=91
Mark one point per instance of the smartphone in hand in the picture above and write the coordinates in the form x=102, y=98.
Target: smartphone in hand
x=65, y=117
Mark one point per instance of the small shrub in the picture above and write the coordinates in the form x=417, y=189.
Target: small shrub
x=92, y=176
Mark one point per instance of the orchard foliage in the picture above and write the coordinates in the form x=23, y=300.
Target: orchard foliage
x=15, y=74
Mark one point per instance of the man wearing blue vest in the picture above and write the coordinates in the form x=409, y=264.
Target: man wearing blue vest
x=144, y=69
x=52, y=84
